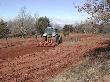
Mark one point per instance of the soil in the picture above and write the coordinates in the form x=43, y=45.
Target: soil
x=35, y=66
x=19, y=47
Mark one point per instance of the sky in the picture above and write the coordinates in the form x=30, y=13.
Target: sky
x=60, y=11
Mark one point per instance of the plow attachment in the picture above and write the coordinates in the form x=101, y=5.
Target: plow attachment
x=48, y=43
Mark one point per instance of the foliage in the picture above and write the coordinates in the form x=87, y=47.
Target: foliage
x=99, y=21
x=89, y=27
x=67, y=29
x=4, y=31
x=42, y=23
x=99, y=10
x=24, y=24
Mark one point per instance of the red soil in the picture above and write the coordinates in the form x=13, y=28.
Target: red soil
x=40, y=66
x=19, y=48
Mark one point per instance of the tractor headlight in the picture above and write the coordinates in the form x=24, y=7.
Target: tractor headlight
x=53, y=34
x=45, y=34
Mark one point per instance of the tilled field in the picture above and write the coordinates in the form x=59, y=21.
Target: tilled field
x=19, y=47
x=40, y=66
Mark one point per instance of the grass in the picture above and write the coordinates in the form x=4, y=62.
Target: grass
x=91, y=69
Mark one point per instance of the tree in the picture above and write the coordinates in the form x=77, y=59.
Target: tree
x=42, y=23
x=23, y=24
x=67, y=29
x=99, y=10
x=4, y=31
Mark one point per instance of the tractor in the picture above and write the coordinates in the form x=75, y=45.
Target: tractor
x=51, y=37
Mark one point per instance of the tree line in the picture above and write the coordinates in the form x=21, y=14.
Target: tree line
x=99, y=20
x=23, y=25
x=87, y=27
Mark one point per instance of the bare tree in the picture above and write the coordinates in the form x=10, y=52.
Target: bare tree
x=23, y=24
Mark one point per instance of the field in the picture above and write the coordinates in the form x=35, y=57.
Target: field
x=23, y=61
x=18, y=47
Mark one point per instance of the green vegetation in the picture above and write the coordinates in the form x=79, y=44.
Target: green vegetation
x=26, y=25
x=41, y=24
x=4, y=30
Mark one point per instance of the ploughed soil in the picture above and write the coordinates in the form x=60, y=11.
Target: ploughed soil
x=18, y=47
x=13, y=52
x=40, y=66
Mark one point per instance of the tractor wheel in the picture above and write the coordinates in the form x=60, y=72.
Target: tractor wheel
x=45, y=38
x=60, y=39
x=57, y=39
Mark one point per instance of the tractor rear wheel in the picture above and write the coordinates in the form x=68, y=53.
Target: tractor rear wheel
x=57, y=39
x=60, y=39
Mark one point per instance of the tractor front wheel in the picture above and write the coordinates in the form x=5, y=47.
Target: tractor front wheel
x=45, y=38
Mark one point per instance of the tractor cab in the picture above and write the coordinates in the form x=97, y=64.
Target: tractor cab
x=50, y=32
